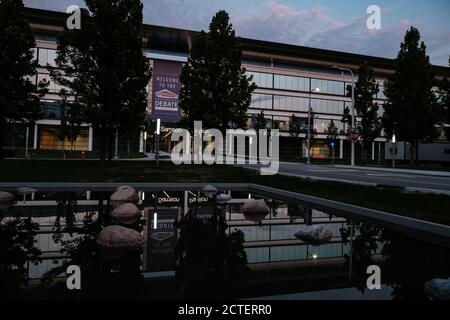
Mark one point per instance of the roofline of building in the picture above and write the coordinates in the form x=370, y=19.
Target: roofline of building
x=180, y=40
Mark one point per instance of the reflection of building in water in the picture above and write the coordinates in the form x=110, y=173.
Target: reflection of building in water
x=267, y=244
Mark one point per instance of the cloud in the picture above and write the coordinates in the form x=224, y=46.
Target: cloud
x=273, y=20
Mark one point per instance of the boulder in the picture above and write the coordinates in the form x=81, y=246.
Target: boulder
x=255, y=210
x=116, y=241
x=6, y=197
x=126, y=213
x=223, y=198
x=315, y=234
x=6, y=200
x=438, y=289
x=124, y=195
x=124, y=188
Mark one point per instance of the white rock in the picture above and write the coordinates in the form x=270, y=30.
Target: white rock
x=6, y=197
x=6, y=200
x=124, y=188
x=223, y=198
x=126, y=213
x=26, y=191
x=116, y=241
x=315, y=234
x=125, y=195
x=438, y=289
x=255, y=210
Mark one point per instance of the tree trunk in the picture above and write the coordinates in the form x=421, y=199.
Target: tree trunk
x=2, y=138
x=413, y=153
x=110, y=145
x=103, y=146
x=416, y=154
x=364, y=153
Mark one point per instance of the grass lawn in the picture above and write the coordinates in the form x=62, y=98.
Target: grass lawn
x=429, y=207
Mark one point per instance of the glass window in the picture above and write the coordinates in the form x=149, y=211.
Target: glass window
x=328, y=86
x=262, y=80
x=327, y=106
x=291, y=83
x=261, y=101
x=47, y=56
x=288, y=103
x=321, y=125
x=48, y=139
x=281, y=123
x=51, y=110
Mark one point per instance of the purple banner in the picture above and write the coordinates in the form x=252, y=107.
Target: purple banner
x=166, y=91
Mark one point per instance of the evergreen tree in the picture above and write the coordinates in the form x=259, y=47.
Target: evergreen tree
x=347, y=119
x=332, y=137
x=216, y=89
x=444, y=99
x=366, y=89
x=294, y=126
x=410, y=111
x=260, y=122
x=104, y=67
x=19, y=96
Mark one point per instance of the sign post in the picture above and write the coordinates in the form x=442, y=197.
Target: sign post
x=158, y=133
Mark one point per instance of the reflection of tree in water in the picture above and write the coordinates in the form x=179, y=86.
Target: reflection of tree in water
x=410, y=263
x=406, y=263
x=66, y=208
x=17, y=248
x=210, y=264
x=300, y=212
x=120, y=278
x=365, y=244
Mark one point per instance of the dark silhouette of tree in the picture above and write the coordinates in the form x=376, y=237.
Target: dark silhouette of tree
x=17, y=248
x=103, y=67
x=332, y=137
x=366, y=89
x=19, y=95
x=210, y=264
x=260, y=122
x=411, y=111
x=294, y=126
x=215, y=88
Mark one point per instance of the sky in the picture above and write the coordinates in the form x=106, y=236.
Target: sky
x=327, y=24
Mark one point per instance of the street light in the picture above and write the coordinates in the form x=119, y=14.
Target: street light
x=353, y=109
x=158, y=133
x=394, y=149
x=308, y=147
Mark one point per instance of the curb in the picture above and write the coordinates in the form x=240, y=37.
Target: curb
x=409, y=171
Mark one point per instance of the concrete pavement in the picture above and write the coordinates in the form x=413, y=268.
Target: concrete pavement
x=410, y=180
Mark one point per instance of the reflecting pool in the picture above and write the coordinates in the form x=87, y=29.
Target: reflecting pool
x=42, y=233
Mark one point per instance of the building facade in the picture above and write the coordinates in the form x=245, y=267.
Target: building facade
x=286, y=77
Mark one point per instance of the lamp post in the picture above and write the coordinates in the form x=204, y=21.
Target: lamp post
x=353, y=109
x=394, y=141
x=158, y=133
x=116, y=145
x=308, y=147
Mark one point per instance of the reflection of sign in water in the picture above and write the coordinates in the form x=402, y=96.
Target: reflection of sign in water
x=166, y=91
x=203, y=213
x=162, y=241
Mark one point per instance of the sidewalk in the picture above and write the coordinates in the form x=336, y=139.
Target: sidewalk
x=411, y=171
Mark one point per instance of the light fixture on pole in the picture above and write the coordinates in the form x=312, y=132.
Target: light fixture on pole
x=308, y=147
x=394, y=149
x=158, y=133
x=353, y=109
x=145, y=142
